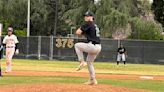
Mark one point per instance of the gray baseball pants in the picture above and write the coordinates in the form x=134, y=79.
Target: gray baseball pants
x=92, y=50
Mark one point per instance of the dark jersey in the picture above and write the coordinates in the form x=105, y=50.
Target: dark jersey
x=91, y=31
x=121, y=50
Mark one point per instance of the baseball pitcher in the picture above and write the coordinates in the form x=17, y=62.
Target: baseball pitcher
x=10, y=41
x=92, y=46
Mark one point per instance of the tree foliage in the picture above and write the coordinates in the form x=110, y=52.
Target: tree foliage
x=110, y=15
x=13, y=13
x=146, y=30
x=158, y=8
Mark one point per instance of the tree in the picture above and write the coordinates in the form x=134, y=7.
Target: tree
x=111, y=15
x=146, y=30
x=13, y=12
x=38, y=18
x=158, y=8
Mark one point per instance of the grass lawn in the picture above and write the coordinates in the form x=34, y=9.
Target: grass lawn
x=155, y=86
x=101, y=67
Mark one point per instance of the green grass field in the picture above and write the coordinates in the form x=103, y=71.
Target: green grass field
x=101, y=67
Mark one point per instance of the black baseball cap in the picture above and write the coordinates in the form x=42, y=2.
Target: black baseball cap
x=89, y=13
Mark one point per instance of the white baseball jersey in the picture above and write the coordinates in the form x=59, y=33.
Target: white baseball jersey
x=10, y=41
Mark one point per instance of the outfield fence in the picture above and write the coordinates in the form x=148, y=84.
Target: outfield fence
x=60, y=48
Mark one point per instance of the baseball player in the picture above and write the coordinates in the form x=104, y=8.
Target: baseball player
x=121, y=54
x=92, y=46
x=10, y=41
x=0, y=71
x=1, y=54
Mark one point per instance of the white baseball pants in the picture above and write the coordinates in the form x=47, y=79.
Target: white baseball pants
x=121, y=57
x=9, y=56
x=92, y=50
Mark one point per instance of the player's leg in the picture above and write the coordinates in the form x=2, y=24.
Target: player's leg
x=9, y=55
x=0, y=71
x=124, y=59
x=90, y=59
x=84, y=47
x=92, y=78
x=79, y=52
x=79, y=48
x=118, y=59
x=1, y=53
x=7, y=60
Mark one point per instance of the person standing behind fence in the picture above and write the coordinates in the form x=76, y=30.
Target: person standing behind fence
x=121, y=54
x=92, y=46
x=10, y=42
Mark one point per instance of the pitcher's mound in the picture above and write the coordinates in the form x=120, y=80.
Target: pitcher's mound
x=52, y=87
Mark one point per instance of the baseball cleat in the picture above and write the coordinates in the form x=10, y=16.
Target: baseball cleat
x=82, y=64
x=7, y=71
x=91, y=82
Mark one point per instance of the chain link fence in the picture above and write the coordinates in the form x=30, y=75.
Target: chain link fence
x=59, y=48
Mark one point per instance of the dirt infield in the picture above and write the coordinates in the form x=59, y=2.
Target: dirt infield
x=82, y=74
x=58, y=87
x=49, y=87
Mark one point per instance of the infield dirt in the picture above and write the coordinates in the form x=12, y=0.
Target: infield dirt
x=61, y=87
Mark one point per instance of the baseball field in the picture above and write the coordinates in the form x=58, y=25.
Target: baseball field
x=60, y=76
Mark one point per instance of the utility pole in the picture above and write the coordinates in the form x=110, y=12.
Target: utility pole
x=56, y=17
x=28, y=27
x=28, y=19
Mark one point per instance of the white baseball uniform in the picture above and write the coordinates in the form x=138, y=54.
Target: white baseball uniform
x=10, y=42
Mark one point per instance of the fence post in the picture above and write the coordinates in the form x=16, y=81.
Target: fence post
x=39, y=47
x=118, y=43
x=51, y=48
x=27, y=49
x=143, y=52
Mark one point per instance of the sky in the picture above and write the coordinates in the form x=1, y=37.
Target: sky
x=151, y=1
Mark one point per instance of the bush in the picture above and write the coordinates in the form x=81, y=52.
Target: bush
x=146, y=30
x=111, y=22
x=20, y=32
